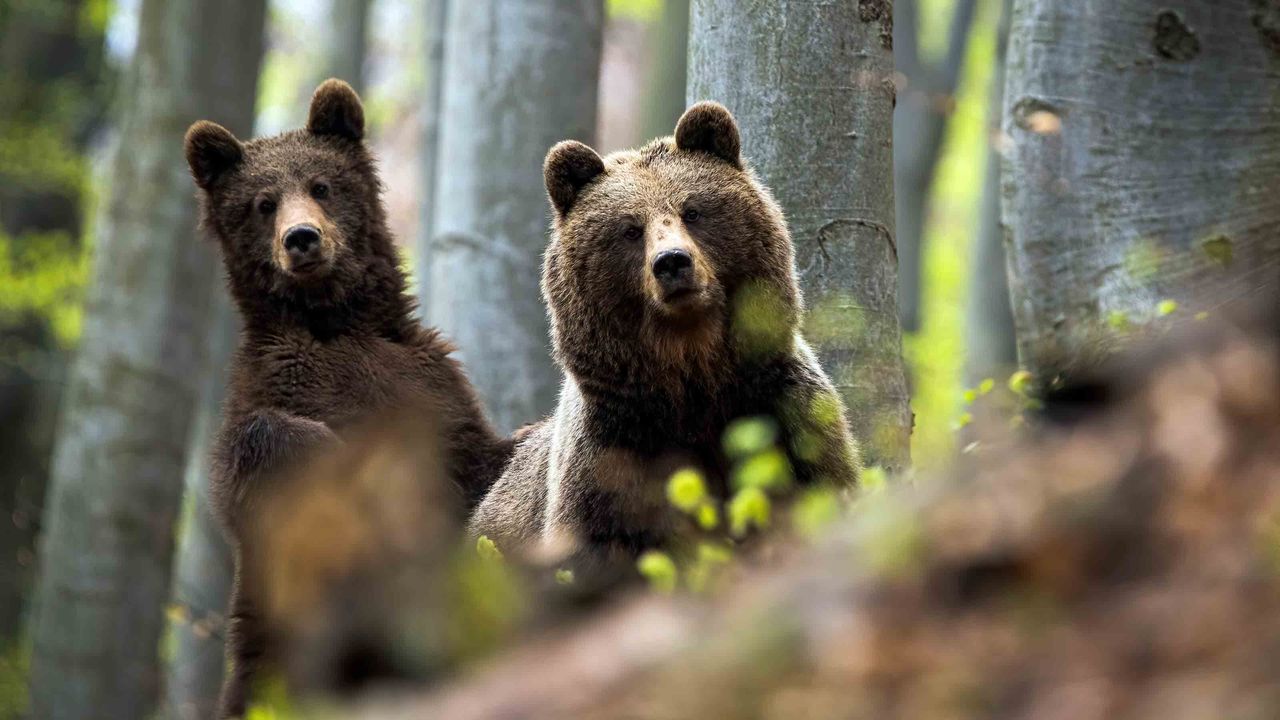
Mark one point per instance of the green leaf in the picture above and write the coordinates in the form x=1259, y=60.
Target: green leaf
x=814, y=511
x=986, y=386
x=659, y=569
x=873, y=479
x=750, y=507
x=769, y=469
x=686, y=489
x=1166, y=308
x=1118, y=320
x=708, y=516
x=487, y=549
x=747, y=436
x=564, y=576
x=1020, y=382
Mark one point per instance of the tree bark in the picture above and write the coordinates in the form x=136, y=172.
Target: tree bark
x=204, y=567
x=520, y=76
x=1144, y=157
x=107, y=549
x=51, y=98
x=664, y=89
x=811, y=84
x=989, y=339
x=920, y=120
x=437, y=16
x=345, y=52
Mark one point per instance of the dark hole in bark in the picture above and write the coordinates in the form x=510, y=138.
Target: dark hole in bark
x=1174, y=40
x=1266, y=18
x=882, y=10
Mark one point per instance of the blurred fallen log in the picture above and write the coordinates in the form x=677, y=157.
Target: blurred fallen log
x=1127, y=565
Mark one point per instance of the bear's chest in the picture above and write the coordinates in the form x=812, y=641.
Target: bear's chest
x=337, y=380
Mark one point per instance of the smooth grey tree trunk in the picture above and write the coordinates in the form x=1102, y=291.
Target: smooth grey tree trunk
x=344, y=53
x=811, y=84
x=437, y=15
x=107, y=549
x=520, y=75
x=920, y=119
x=665, y=76
x=1144, y=162
x=990, y=345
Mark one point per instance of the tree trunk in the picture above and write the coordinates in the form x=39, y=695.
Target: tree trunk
x=666, y=71
x=989, y=338
x=811, y=84
x=107, y=549
x=51, y=99
x=437, y=15
x=204, y=566
x=521, y=75
x=1144, y=157
x=920, y=118
x=344, y=55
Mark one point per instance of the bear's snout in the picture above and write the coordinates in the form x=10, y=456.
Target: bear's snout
x=305, y=238
x=673, y=269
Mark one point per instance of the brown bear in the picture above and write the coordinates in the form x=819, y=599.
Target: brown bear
x=329, y=335
x=674, y=310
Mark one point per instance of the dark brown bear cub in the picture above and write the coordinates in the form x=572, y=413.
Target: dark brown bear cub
x=674, y=310
x=329, y=338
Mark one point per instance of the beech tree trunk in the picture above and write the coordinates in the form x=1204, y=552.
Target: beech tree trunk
x=920, y=118
x=989, y=339
x=51, y=105
x=811, y=84
x=345, y=52
x=107, y=548
x=665, y=76
x=437, y=15
x=1143, y=166
x=520, y=75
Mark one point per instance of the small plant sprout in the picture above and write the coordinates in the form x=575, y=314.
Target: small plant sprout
x=746, y=436
x=687, y=490
x=487, y=549
x=1020, y=383
x=768, y=470
x=749, y=508
x=1166, y=308
x=710, y=561
x=708, y=516
x=1118, y=320
x=660, y=570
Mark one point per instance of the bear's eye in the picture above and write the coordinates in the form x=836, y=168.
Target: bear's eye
x=632, y=233
x=320, y=190
x=691, y=216
x=266, y=206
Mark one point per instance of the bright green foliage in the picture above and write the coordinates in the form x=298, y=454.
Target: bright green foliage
x=767, y=470
x=872, y=480
x=487, y=549
x=687, y=490
x=814, y=511
x=564, y=576
x=43, y=275
x=749, y=508
x=639, y=10
x=708, y=516
x=746, y=436
x=1166, y=308
x=1118, y=320
x=271, y=701
x=1020, y=382
x=660, y=570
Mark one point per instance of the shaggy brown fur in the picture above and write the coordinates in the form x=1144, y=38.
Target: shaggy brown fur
x=329, y=336
x=658, y=359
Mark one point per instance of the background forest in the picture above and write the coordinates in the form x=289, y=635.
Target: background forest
x=1140, y=168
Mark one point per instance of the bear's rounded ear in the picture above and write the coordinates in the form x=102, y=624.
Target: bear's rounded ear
x=569, y=166
x=336, y=110
x=708, y=127
x=211, y=151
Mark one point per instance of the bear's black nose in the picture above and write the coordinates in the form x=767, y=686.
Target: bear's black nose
x=301, y=240
x=673, y=268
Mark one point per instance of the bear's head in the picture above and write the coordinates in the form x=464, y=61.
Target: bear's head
x=672, y=259
x=299, y=216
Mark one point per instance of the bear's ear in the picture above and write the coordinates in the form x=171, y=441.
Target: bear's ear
x=708, y=127
x=569, y=166
x=211, y=151
x=336, y=110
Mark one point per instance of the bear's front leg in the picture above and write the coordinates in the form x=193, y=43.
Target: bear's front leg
x=820, y=445
x=252, y=448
